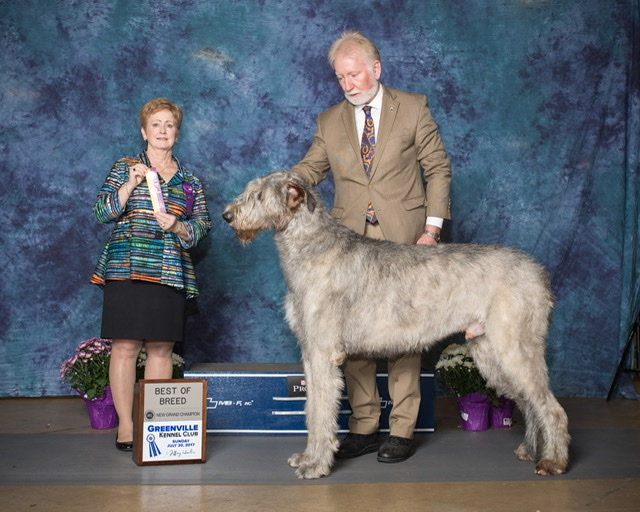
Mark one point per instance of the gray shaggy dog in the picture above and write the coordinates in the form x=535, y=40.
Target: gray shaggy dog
x=498, y=296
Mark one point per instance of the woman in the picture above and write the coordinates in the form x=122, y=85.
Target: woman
x=145, y=268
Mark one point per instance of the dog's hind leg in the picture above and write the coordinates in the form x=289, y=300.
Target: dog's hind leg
x=324, y=389
x=528, y=449
x=511, y=357
x=553, y=453
x=546, y=439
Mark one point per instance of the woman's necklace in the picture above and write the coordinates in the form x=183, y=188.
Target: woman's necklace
x=166, y=171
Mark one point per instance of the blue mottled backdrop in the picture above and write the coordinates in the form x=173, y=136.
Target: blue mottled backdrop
x=538, y=103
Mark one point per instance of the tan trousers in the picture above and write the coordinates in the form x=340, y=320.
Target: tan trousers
x=404, y=387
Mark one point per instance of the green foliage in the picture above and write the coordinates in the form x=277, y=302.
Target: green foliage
x=457, y=370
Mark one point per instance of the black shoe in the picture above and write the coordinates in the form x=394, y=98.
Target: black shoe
x=354, y=445
x=396, y=449
x=124, y=447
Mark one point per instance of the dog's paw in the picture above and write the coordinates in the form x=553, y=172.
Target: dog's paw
x=308, y=468
x=523, y=454
x=550, y=468
x=311, y=471
x=294, y=460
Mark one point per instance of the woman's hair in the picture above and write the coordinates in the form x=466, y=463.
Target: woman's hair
x=351, y=40
x=158, y=104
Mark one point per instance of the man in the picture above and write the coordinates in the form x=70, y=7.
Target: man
x=376, y=155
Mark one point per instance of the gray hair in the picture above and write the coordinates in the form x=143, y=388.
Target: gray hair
x=349, y=42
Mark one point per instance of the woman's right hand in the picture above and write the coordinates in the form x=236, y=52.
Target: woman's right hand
x=136, y=175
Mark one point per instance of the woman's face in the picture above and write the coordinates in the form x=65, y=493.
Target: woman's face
x=161, y=131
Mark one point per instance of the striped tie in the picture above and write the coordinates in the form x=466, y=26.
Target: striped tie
x=367, y=150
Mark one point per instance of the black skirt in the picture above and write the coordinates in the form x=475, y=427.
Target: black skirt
x=138, y=310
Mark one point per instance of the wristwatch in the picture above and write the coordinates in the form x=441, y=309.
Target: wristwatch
x=435, y=236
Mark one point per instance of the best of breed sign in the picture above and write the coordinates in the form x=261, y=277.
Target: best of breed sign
x=170, y=424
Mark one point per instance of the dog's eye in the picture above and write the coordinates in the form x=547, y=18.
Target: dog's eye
x=260, y=196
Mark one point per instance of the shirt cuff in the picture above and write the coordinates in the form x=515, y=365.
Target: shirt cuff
x=435, y=221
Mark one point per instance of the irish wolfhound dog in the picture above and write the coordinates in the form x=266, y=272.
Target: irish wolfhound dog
x=349, y=295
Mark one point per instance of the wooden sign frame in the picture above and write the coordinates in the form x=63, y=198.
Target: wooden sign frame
x=170, y=422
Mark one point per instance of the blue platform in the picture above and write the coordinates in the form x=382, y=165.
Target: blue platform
x=270, y=399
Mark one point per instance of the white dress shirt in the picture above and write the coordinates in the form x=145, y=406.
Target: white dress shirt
x=376, y=108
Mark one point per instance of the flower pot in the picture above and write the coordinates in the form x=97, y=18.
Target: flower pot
x=474, y=411
x=502, y=415
x=102, y=412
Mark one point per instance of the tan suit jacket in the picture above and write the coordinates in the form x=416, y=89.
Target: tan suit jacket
x=407, y=142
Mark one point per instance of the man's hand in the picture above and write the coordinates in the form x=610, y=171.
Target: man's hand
x=431, y=236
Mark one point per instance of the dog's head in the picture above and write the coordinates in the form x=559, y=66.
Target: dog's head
x=268, y=202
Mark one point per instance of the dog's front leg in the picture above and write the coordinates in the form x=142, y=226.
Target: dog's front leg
x=324, y=387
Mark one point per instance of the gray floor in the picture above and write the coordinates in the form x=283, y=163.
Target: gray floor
x=52, y=460
x=446, y=456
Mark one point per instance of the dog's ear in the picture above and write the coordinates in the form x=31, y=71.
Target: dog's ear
x=311, y=203
x=297, y=194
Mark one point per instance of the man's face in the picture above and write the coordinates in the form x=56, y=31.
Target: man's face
x=358, y=76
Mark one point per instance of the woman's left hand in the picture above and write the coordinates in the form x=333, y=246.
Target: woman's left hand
x=167, y=221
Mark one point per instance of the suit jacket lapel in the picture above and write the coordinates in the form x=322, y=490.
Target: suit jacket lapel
x=349, y=120
x=387, y=119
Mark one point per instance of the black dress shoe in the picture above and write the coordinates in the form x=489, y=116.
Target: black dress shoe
x=396, y=449
x=354, y=445
x=124, y=447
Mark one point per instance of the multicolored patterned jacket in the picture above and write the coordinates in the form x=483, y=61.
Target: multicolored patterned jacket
x=138, y=248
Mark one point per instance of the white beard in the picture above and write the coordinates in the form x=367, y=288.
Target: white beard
x=364, y=98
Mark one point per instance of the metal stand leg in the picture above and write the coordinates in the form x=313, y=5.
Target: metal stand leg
x=632, y=343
